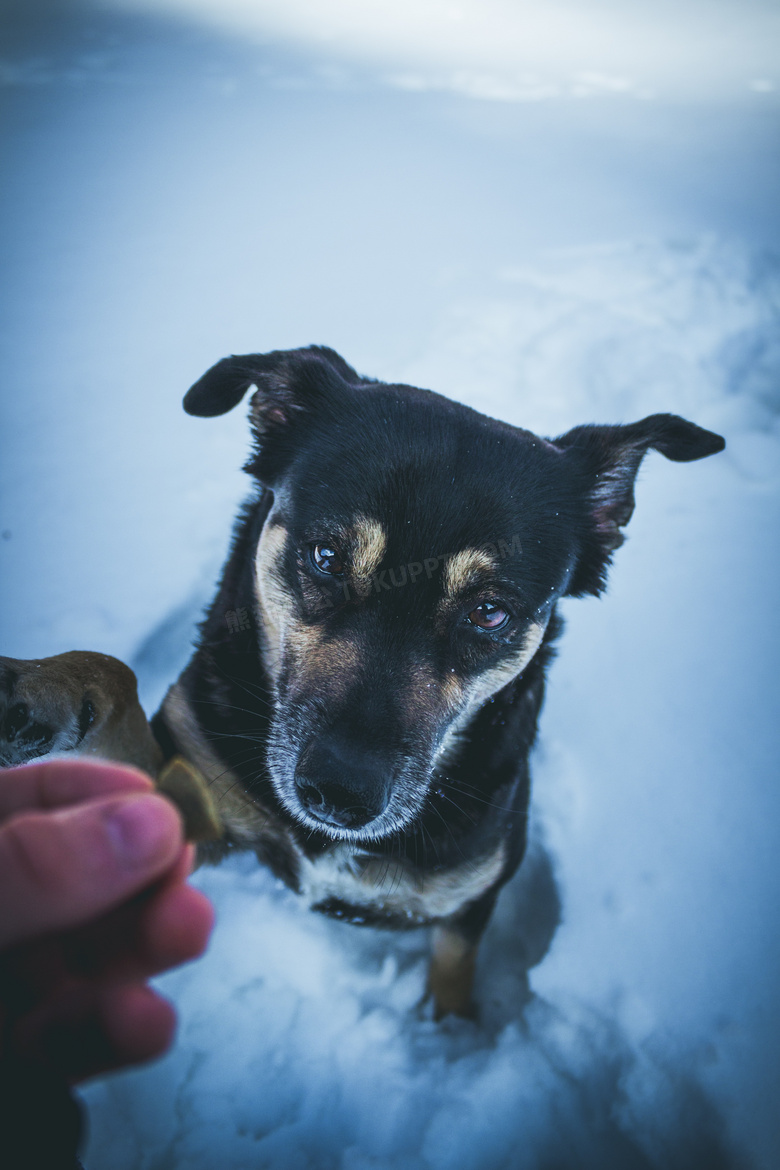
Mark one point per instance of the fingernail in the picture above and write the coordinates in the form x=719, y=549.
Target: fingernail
x=140, y=830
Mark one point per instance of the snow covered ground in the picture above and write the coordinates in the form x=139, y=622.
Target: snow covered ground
x=172, y=194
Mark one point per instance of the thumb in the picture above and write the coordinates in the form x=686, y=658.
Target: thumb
x=61, y=868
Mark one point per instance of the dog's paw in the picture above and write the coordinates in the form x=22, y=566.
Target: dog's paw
x=82, y=702
x=43, y=709
x=22, y=736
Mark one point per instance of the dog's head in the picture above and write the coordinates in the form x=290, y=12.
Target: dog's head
x=409, y=566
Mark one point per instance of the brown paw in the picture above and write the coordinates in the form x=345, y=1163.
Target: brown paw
x=451, y=974
x=80, y=701
x=36, y=716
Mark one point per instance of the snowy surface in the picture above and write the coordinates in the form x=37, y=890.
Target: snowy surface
x=171, y=197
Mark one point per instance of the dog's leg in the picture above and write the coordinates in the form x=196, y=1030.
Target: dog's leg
x=451, y=972
x=453, y=958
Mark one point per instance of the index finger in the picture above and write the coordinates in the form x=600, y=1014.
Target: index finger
x=57, y=783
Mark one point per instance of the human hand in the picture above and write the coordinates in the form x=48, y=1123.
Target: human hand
x=93, y=901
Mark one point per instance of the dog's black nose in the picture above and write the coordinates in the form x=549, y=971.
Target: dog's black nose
x=341, y=784
x=332, y=804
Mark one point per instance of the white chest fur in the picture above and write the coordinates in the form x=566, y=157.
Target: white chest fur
x=393, y=888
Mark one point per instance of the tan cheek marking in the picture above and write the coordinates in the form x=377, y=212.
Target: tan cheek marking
x=453, y=690
x=465, y=701
x=327, y=666
x=462, y=569
x=421, y=695
x=304, y=644
x=492, y=681
x=273, y=600
x=370, y=542
x=332, y=663
x=533, y=640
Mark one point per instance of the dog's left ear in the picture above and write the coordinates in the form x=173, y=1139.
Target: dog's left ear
x=606, y=460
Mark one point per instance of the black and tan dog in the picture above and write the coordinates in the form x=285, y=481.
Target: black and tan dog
x=368, y=680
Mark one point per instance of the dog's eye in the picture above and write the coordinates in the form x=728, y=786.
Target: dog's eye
x=327, y=559
x=488, y=616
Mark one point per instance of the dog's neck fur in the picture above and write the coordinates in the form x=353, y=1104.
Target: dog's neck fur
x=478, y=791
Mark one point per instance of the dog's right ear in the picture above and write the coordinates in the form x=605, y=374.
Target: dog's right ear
x=288, y=381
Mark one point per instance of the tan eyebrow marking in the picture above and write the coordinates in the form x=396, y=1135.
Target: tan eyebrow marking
x=370, y=542
x=463, y=569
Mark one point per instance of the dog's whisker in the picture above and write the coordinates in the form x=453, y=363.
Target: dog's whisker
x=473, y=793
x=443, y=796
x=234, y=706
x=450, y=833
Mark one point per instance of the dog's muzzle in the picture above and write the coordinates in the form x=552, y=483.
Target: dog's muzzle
x=342, y=785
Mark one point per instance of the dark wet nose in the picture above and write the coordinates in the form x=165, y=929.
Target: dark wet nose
x=341, y=784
